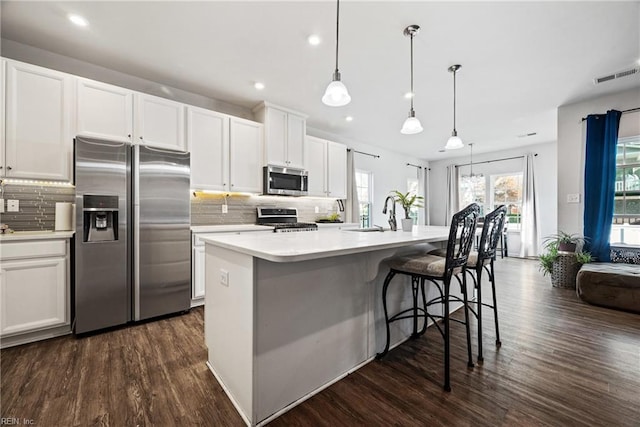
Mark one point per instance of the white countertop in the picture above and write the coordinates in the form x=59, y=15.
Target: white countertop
x=302, y=246
x=35, y=235
x=228, y=228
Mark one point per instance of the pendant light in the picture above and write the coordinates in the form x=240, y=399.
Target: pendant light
x=412, y=124
x=336, y=94
x=454, y=142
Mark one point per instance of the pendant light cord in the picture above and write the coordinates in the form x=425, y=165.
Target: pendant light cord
x=454, y=103
x=412, y=93
x=337, y=32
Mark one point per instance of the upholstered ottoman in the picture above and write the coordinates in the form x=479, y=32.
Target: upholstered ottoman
x=613, y=285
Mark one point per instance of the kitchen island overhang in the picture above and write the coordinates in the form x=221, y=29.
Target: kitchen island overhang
x=287, y=315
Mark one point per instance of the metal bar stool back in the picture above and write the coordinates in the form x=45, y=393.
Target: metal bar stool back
x=492, y=231
x=434, y=268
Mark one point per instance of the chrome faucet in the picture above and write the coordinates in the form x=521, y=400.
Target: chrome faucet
x=392, y=214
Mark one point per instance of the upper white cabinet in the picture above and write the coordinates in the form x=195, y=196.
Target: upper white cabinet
x=208, y=142
x=38, y=142
x=159, y=122
x=326, y=162
x=245, y=155
x=226, y=152
x=336, y=170
x=285, y=132
x=104, y=111
x=315, y=151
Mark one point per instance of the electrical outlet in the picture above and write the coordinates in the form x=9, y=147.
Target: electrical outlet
x=1, y=205
x=13, y=205
x=225, y=208
x=317, y=210
x=224, y=277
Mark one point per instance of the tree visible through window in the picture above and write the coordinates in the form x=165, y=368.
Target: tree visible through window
x=506, y=190
x=626, y=212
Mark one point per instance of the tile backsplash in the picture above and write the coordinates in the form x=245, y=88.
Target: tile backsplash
x=38, y=202
x=37, y=205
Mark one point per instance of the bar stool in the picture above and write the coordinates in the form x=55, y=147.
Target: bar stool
x=492, y=231
x=436, y=269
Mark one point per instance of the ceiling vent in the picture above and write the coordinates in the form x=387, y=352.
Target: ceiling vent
x=617, y=75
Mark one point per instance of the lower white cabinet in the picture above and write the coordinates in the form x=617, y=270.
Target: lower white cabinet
x=197, y=255
x=34, y=290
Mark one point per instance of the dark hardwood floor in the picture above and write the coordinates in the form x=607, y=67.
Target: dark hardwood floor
x=562, y=362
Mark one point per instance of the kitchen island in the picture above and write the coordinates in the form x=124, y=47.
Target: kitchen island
x=288, y=314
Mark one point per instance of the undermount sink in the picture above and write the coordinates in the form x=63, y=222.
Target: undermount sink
x=365, y=230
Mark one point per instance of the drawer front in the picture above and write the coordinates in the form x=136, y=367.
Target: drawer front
x=33, y=249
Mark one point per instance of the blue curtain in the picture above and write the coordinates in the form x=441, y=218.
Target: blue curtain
x=599, y=181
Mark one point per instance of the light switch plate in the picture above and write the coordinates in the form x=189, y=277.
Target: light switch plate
x=573, y=198
x=225, y=208
x=224, y=277
x=13, y=205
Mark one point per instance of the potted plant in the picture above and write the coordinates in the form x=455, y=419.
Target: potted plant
x=407, y=200
x=561, y=260
x=564, y=242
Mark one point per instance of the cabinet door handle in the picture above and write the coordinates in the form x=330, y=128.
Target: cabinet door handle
x=9, y=167
x=1, y=167
x=129, y=136
x=141, y=138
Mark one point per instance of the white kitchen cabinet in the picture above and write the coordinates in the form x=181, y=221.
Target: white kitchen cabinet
x=159, y=122
x=208, y=142
x=316, y=164
x=38, y=142
x=285, y=132
x=197, y=289
x=326, y=162
x=245, y=155
x=336, y=170
x=3, y=91
x=34, y=290
x=103, y=111
x=226, y=152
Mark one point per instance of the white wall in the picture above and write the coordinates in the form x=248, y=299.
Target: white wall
x=571, y=149
x=390, y=172
x=546, y=177
x=43, y=58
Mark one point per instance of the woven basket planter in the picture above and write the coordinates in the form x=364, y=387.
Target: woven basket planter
x=565, y=270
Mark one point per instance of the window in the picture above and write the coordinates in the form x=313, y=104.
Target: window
x=364, y=183
x=472, y=189
x=506, y=189
x=626, y=211
x=412, y=187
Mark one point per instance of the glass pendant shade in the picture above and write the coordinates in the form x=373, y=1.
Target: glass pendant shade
x=453, y=143
x=336, y=94
x=411, y=126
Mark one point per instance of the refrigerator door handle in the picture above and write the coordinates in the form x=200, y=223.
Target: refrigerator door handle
x=109, y=144
x=162, y=150
x=136, y=262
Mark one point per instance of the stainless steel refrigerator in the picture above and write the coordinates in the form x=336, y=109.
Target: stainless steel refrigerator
x=132, y=242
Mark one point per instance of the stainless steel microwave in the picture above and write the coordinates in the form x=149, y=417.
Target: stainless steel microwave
x=285, y=181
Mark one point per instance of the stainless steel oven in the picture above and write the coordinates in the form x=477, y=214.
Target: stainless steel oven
x=285, y=181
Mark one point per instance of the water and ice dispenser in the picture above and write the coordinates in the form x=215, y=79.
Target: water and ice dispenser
x=100, y=218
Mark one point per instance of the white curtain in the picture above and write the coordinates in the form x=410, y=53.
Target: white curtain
x=353, y=206
x=530, y=233
x=451, y=205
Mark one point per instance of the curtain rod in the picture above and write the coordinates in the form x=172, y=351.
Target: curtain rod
x=362, y=152
x=415, y=166
x=630, y=110
x=496, y=160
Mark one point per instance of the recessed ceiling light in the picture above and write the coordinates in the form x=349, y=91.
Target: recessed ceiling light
x=349, y=118
x=78, y=20
x=258, y=85
x=409, y=95
x=314, y=40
